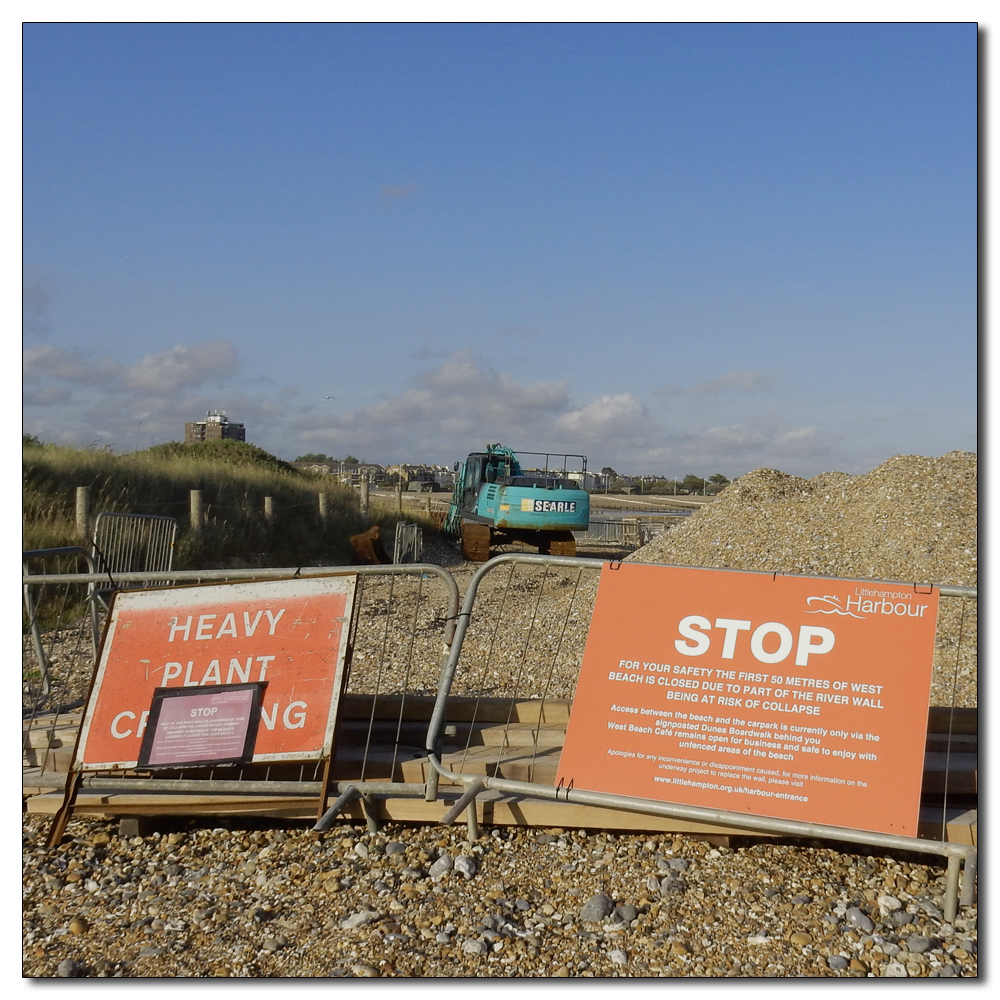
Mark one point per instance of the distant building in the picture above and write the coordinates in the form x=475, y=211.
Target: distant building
x=215, y=427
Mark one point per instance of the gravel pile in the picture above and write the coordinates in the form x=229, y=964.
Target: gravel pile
x=244, y=900
x=912, y=519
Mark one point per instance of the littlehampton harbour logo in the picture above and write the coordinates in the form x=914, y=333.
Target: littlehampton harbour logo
x=868, y=601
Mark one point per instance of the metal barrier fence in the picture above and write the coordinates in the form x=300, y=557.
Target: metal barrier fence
x=408, y=544
x=405, y=622
x=126, y=543
x=626, y=533
x=519, y=645
x=496, y=680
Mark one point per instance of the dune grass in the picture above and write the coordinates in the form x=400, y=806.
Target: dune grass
x=234, y=479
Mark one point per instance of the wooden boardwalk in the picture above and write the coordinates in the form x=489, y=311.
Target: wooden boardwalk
x=382, y=740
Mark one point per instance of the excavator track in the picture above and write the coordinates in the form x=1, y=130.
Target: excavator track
x=475, y=541
x=558, y=543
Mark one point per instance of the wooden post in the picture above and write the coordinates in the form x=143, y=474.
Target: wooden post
x=269, y=509
x=428, y=505
x=399, y=499
x=83, y=511
x=196, y=515
x=364, y=498
x=322, y=506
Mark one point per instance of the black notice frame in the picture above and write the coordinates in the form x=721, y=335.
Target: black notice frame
x=253, y=723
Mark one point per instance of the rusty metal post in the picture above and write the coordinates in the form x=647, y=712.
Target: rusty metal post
x=83, y=511
x=196, y=514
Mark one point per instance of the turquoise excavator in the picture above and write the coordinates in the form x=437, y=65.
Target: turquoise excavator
x=497, y=501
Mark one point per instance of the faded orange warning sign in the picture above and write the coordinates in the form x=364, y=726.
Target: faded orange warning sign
x=795, y=697
x=292, y=634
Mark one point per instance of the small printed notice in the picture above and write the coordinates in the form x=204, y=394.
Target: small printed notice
x=189, y=726
x=793, y=697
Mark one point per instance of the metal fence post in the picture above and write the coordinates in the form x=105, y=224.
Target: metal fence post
x=269, y=509
x=322, y=506
x=364, y=498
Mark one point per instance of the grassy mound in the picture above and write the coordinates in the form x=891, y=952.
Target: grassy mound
x=234, y=478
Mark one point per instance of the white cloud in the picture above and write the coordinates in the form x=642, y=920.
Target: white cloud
x=183, y=365
x=48, y=360
x=607, y=417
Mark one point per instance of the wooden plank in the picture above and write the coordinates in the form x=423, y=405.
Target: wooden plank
x=961, y=777
x=460, y=709
x=962, y=825
x=945, y=719
x=493, y=809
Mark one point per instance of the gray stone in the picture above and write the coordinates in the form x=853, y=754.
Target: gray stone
x=395, y=847
x=150, y=952
x=946, y=972
x=802, y=899
x=475, y=947
x=888, y=904
x=626, y=912
x=679, y=864
x=900, y=917
x=442, y=938
x=522, y=904
x=618, y=957
x=857, y=918
x=359, y=919
x=917, y=944
x=442, y=865
x=67, y=969
x=465, y=865
x=672, y=885
x=969, y=945
x=361, y=850
x=597, y=908
x=838, y=963
x=895, y=970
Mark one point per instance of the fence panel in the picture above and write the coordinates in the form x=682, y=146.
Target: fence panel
x=126, y=543
x=625, y=533
x=508, y=686
x=408, y=544
x=404, y=624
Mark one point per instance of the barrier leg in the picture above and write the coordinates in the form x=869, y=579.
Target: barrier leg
x=325, y=821
x=969, y=879
x=469, y=795
x=371, y=813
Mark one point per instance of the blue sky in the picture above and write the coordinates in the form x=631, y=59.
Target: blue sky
x=675, y=248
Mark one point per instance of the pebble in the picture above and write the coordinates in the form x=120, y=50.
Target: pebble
x=67, y=969
x=857, y=918
x=520, y=916
x=618, y=957
x=465, y=865
x=442, y=865
x=597, y=908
